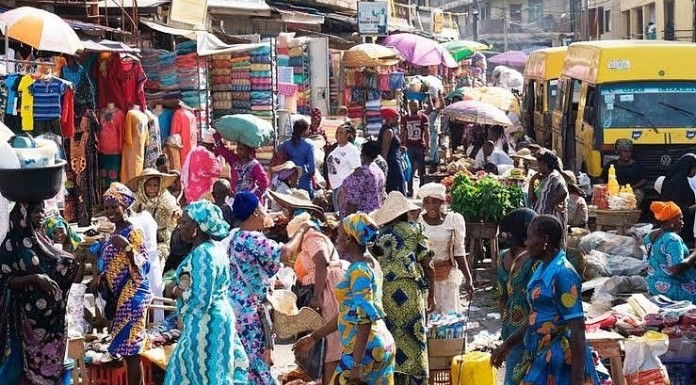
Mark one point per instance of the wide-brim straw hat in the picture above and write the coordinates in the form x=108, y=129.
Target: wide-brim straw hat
x=289, y=321
x=166, y=180
x=525, y=154
x=394, y=206
x=289, y=165
x=297, y=199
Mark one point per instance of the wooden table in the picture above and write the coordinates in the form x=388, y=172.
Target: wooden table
x=609, y=345
x=621, y=220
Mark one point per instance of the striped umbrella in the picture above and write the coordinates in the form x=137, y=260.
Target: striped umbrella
x=40, y=29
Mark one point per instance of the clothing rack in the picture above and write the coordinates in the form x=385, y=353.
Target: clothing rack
x=33, y=62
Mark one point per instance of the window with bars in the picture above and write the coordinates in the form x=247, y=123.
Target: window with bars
x=536, y=10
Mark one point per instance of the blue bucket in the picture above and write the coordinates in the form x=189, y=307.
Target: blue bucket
x=68, y=367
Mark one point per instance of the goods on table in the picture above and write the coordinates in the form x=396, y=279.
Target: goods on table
x=612, y=183
x=484, y=199
x=461, y=165
x=447, y=326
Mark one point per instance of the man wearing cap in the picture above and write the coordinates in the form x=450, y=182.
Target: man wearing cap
x=415, y=136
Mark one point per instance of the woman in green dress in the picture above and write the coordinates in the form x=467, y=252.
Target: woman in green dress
x=401, y=248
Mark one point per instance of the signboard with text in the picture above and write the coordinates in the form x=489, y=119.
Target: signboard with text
x=373, y=18
x=191, y=12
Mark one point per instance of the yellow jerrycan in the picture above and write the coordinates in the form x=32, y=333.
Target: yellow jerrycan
x=473, y=368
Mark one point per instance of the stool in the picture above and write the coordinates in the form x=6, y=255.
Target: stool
x=477, y=233
x=608, y=345
x=76, y=351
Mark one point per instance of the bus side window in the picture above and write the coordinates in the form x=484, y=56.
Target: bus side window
x=529, y=97
x=539, y=97
x=560, y=97
x=589, y=115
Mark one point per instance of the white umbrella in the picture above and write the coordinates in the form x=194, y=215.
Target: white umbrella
x=40, y=29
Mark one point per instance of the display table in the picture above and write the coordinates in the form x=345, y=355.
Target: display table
x=609, y=345
x=621, y=220
x=76, y=351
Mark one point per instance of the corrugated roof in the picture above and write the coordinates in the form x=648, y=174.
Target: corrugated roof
x=129, y=3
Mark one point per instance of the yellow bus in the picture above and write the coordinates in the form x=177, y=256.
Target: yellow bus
x=634, y=89
x=540, y=87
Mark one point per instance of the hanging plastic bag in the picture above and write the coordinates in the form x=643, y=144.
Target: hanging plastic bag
x=408, y=169
x=642, y=364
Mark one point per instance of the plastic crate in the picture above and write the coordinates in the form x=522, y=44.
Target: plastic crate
x=440, y=377
x=107, y=375
x=681, y=373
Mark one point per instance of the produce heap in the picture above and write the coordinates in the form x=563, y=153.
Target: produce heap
x=482, y=198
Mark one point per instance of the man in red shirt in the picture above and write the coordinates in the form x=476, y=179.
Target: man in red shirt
x=415, y=135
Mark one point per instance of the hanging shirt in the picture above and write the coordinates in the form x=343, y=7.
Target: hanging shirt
x=27, y=109
x=67, y=115
x=164, y=116
x=184, y=124
x=11, y=105
x=47, y=97
x=111, y=132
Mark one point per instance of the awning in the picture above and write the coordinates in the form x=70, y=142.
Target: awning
x=207, y=43
x=301, y=18
x=129, y=3
x=82, y=25
x=106, y=45
x=237, y=7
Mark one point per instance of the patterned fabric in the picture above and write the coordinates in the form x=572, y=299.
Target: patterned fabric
x=667, y=251
x=32, y=324
x=109, y=169
x=82, y=177
x=208, y=216
x=405, y=246
x=547, y=189
x=164, y=208
x=364, y=188
x=258, y=259
x=201, y=169
x=313, y=243
x=361, y=227
x=513, y=291
x=209, y=350
x=54, y=223
x=120, y=194
x=554, y=297
x=132, y=289
x=360, y=297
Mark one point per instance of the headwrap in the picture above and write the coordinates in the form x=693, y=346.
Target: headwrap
x=316, y=115
x=200, y=171
x=361, y=227
x=433, y=190
x=163, y=203
x=244, y=205
x=623, y=145
x=665, y=211
x=315, y=128
x=119, y=193
x=389, y=113
x=54, y=223
x=209, y=218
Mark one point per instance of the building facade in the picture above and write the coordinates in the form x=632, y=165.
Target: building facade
x=642, y=19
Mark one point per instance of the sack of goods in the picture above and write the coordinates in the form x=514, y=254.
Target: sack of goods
x=245, y=128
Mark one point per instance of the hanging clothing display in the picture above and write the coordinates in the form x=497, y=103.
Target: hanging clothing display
x=82, y=173
x=164, y=115
x=110, y=145
x=131, y=78
x=184, y=124
x=154, y=144
x=135, y=137
x=367, y=91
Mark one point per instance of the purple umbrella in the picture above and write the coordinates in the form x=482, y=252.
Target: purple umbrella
x=419, y=50
x=510, y=59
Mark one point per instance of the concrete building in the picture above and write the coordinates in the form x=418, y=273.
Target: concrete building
x=630, y=19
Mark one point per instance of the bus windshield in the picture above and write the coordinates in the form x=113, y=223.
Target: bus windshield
x=645, y=104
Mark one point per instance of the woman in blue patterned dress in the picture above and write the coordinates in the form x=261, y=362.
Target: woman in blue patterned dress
x=368, y=347
x=671, y=270
x=125, y=268
x=209, y=351
x=254, y=259
x=556, y=351
x=515, y=268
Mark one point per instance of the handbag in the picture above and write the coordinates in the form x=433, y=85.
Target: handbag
x=313, y=362
x=264, y=306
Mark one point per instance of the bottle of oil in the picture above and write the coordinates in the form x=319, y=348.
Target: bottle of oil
x=612, y=183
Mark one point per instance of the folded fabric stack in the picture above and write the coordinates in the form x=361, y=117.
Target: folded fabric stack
x=261, y=81
x=160, y=68
x=299, y=61
x=373, y=117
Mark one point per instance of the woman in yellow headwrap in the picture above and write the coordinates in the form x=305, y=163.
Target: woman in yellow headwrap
x=60, y=232
x=671, y=270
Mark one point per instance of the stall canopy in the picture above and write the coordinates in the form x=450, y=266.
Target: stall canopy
x=106, y=45
x=207, y=43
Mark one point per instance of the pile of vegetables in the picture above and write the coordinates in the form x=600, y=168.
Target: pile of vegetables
x=484, y=199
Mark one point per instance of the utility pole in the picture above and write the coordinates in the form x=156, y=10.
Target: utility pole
x=505, y=30
x=475, y=13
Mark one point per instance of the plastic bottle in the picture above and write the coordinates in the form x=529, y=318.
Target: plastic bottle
x=629, y=189
x=612, y=183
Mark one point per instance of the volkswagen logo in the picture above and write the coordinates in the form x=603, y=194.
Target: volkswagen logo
x=665, y=160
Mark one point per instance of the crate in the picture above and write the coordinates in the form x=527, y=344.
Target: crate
x=440, y=377
x=441, y=352
x=107, y=374
x=681, y=373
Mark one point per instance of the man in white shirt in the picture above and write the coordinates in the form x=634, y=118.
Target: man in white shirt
x=489, y=153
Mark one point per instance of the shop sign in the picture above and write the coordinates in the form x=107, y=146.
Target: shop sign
x=438, y=20
x=373, y=18
x=191, y=12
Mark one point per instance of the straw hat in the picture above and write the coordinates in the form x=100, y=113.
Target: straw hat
x=394, y=206
x=297, y=199
x=166, y=180
x=289, y=165
x=525, y=154
x=289, y=321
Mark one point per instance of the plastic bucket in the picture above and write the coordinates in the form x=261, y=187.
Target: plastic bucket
x=68, y=367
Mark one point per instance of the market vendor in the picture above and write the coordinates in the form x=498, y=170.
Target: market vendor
x=672, y=270
x=300, y=151
x=390, y=149
x=628, y=170
x=34, y=284
x=489, y=153
x=247, y=173
x=59, y=231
